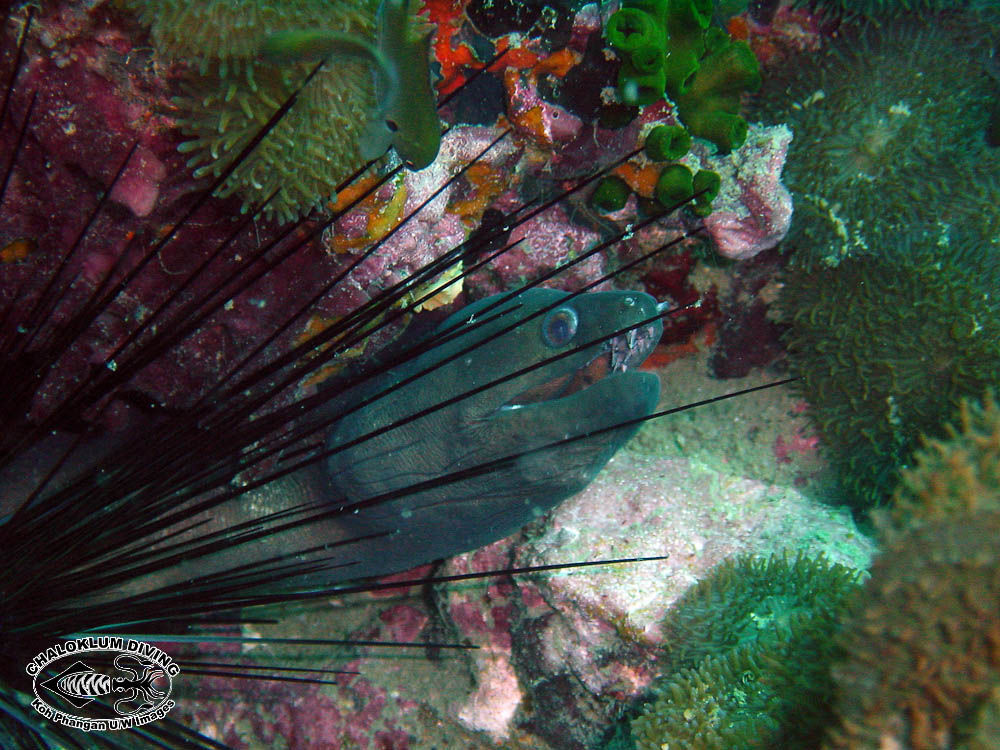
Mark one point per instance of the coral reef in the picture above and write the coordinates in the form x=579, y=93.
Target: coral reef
x=749, y=649
x=886, y=346
x=883, y=8
x=670, y=47
x=920, y=647
x=955, y=475
x=751, y=211
x=909, y=155
x=580, y=644
x=98, y=89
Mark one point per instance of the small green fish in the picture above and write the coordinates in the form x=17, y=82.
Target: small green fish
x=406, y=118
x=411, y=122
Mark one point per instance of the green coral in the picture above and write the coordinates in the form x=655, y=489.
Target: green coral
x=706, y=185
x=748, y=653
x=886, y=345
x=889, y=126
x=230, y=94
x=669, y=46
x=676, y=185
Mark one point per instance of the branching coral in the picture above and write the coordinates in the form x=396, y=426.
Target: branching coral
x=669, y=46
x=886, y=346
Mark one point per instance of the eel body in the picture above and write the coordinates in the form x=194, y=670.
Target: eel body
x=449, y=451
x=513, y=425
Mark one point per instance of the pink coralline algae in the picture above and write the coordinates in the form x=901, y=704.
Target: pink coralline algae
x=798, y=443
x=580, y=640
x=753, y=210
x=409, y=244
x=139, y=186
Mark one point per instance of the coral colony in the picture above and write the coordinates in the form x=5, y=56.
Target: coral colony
x=293, y=295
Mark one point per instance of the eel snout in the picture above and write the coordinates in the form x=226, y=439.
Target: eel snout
x=618, y=354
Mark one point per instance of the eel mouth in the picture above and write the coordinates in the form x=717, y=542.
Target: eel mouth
x=616, y=355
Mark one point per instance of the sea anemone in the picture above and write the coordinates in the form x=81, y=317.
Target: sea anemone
x=908, y=154
x=745, y=598
x=886, y=345
x=229, y=92
x=748, y=652
x=884, y=8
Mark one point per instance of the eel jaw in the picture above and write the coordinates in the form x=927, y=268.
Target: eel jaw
x=616, y=355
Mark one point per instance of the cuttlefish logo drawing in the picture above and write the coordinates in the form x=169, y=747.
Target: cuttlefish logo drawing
x=102, y=683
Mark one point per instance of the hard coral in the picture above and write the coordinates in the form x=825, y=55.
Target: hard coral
x=921, y=647
x=229, y=94
x=911, y=150
x=886, y=346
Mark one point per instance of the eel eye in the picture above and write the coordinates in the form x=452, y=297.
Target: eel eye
x=559, y=326
x=391, y=124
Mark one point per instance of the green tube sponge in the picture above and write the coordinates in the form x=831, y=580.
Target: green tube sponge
x=639, y=89
x=634, y=30
x=675, y=186
x=637, y=32
x=669, y=47
x=686, y=21
x=710, y=107
x=706, y=186
x=610, y=194
x=667, y=143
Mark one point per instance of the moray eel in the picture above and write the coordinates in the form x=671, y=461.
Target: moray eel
x=406, y=117
x=593, y=389
x=472, y=420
